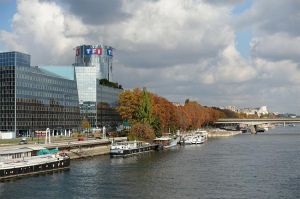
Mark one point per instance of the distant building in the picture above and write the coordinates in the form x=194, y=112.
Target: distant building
x=262, y=111
x=177, y=104
x=255, y=111
x=232, y=108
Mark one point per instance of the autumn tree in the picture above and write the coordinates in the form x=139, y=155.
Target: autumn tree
x=141, y=131
x=165, y=111
x=183, y=118
x=129, y=102
x=147, y=110
x=85, y=123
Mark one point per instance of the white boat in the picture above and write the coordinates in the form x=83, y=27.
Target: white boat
x=194, y=139
x=128, y=148
x=202, y=133
x=166, y=142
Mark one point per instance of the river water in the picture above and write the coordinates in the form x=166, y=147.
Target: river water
x=266, y=165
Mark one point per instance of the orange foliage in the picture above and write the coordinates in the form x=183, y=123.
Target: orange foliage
x=129, y=102
x=190, y=116
x=165, y=111
x=141, y=131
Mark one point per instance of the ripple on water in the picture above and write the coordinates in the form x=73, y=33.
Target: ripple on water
x=244, y=166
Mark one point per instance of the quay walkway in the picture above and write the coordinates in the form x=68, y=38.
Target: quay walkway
x=75, y=149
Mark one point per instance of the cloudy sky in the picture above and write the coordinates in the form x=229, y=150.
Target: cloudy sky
x=218, y=52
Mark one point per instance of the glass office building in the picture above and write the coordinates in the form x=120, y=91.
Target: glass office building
x=34, y=99
x=97, y=101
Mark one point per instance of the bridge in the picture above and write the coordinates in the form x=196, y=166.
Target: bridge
x=255, y=125
x=257, y=121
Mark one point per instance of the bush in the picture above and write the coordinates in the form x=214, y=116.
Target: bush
x=141, y=131
x=77, y=134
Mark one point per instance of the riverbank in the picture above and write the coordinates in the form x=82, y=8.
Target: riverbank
x=222, y=133
x=88, y=152
x=94, y=147
x=74, y=149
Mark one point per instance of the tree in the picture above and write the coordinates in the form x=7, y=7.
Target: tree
x=156, y=126
x=187, y=101
x=166, y=112
x=141, y=131
x=143, y=107
x=144, y=113
x=85, y=123
x=129, y=102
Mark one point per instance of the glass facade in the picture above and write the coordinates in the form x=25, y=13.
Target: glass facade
x=7, y=98
x=45, y=101
x=107, y=101
x=86, y=83
x=39, y=99
x=14, y=59
x=97, y=102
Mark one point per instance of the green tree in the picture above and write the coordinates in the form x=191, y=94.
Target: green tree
x=156, y=126
x=187, y=101
x=144, y=113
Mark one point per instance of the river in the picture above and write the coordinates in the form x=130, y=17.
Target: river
x=266, y=165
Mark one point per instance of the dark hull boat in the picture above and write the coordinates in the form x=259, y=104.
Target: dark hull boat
x=33, y=165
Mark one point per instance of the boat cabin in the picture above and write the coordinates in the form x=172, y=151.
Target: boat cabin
x=13, y=154
x=127, y=145
x=165, y=141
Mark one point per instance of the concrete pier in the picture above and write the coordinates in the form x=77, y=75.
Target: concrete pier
x=222, y=133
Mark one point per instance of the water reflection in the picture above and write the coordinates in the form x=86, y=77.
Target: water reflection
x=244, y=166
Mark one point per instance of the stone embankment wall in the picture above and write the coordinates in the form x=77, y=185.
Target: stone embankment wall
x=220, y=133
x=88, y=152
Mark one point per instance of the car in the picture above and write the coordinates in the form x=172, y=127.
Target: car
x=23, y=141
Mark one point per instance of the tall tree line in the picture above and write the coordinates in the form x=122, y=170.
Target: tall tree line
x=154, y=115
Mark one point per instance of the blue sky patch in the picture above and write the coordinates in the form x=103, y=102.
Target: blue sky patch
x=7, y=11
x=240, y=8
x=242, y=43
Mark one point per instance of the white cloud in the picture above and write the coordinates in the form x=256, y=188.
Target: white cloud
x=43, y=30
x=275, y=29
x=283, y=72
x=179, y=49
x=278, y=46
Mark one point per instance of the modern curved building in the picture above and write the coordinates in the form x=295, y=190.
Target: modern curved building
x=98, y=57
x=97, y=101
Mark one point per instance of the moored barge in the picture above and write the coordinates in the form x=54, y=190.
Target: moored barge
x=33, y=165
x=128, y=148
x=166, y=142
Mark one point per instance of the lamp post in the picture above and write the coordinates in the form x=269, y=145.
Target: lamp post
x=101, y=106
x=64, y=112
